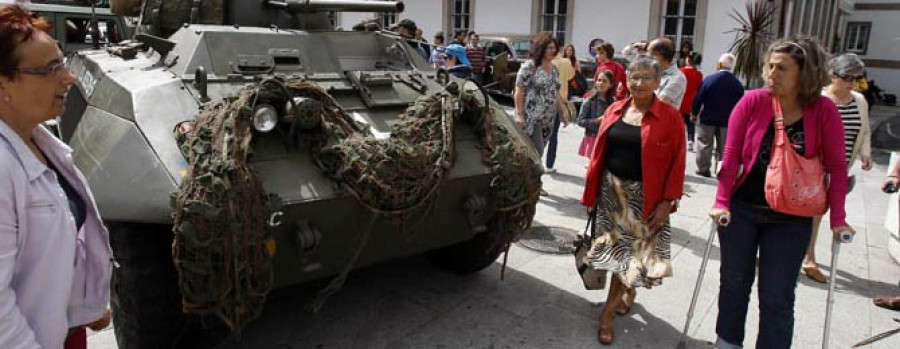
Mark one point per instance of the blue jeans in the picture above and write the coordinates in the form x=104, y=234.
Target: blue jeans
x=552, y=142
x=689, y=127
x=781, y=242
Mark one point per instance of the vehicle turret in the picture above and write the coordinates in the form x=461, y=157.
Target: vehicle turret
x=164, y=17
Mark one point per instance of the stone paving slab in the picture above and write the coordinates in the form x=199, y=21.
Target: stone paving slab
x=408, y=303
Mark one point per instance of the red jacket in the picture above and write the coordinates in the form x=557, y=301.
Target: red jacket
x=620, y=84
x=694, y=79
x=663, y=148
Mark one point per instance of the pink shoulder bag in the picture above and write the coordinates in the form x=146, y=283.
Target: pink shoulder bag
x=795, y=185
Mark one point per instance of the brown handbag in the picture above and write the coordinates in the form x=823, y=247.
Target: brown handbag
x=593, y=279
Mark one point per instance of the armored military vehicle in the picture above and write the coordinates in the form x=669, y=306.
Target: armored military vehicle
x=322, y=119
x=71, y=23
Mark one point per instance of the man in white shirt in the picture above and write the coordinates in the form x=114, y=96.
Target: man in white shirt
x=672, y=82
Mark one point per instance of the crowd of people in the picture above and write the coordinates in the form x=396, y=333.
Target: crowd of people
x=649, y=114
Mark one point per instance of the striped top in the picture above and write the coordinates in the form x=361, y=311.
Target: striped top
x=852, y=125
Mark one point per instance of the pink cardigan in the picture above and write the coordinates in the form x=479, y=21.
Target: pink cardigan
x=748, y=124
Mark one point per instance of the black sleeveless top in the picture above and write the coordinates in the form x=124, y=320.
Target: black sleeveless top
x=623, y=151
x=76, y=203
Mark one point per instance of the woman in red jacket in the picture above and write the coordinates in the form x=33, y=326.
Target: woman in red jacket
x=634, y=180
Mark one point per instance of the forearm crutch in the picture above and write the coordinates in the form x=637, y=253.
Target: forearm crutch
x=844, y=237
x=714, y=225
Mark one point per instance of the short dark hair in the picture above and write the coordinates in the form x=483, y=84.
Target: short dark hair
x=608, y=49
x=439, y=36
x=17, y=25
x=664, y=47
x=472, y=33
x=539, y=46
x=461, y=32
x=409, y=25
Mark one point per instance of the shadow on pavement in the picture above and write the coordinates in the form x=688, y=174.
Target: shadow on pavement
x=409, y=303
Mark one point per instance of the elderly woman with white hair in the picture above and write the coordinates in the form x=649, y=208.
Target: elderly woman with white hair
x=845, y=70
x=717, y=96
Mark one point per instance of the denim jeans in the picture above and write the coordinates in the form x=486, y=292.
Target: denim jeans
x=781, y=242
x=552, y=142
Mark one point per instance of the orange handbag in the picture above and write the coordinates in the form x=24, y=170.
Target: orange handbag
x=795, y=185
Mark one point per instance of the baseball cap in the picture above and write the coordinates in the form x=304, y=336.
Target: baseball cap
x=458, y=51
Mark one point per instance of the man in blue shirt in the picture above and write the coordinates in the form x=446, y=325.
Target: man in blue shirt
x=718, y=95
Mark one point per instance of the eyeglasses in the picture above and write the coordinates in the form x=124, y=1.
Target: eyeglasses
x=639, y=78
x=50, y=70
x=849, y=78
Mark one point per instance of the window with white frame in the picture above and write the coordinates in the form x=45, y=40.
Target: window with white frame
x=554, y=18
x=857, y=38
x=679, y=18
x=460, y=15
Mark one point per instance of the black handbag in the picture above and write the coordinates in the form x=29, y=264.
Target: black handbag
x=593, y=279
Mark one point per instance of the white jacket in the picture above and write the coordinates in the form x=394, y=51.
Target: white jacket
x=52, y=277
x=863, y=144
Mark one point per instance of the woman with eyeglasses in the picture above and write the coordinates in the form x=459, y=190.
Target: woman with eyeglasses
x=55, y=260
x=795, y=72
x=633, y=183
x=845, y=70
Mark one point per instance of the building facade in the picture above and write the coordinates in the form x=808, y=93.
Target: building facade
x=868, y=27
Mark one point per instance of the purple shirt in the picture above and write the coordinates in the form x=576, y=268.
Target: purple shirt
x=52, y=276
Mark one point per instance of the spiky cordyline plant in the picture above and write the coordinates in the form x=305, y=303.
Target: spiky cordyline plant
x=751, y=39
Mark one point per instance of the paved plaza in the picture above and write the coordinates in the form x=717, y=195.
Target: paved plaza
x=409, y=303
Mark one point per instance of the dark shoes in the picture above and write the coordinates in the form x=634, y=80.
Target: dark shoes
x=706, y=174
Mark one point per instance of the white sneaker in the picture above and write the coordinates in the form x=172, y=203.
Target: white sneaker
x=550, y=170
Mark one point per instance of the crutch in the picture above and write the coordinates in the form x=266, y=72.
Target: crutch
x=714, y=225
x=844, y=237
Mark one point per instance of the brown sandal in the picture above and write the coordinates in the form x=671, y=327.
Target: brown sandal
x=627, y=302
x=888, y=302
x=814, y=274
x=605, y=334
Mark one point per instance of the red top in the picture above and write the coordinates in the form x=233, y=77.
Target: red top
x=824, y=134
x=663, y=149
x=475, y=55
x=621, y=83
x=694, y=79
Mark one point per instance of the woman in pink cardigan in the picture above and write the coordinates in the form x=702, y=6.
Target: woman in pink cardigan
x=795, y=72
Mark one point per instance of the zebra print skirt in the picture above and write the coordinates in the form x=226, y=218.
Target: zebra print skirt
x=625, y=245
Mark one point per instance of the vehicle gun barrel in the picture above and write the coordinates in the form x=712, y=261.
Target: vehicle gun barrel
x=305, y=6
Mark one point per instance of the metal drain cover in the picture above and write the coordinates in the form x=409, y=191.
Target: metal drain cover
x=556, y=240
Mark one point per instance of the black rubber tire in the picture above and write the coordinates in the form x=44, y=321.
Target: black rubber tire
x=468, y=256
x=145, y=298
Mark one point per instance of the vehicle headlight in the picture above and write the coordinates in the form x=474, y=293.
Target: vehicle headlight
x=265, y=118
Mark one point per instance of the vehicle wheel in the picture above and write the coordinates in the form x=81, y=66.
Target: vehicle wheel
x=145, y=299
x=468, y=256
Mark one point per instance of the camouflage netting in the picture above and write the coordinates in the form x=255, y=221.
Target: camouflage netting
x=223, y=248
x=393, y=178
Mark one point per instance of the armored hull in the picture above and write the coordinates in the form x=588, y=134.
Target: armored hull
x=120, y=123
